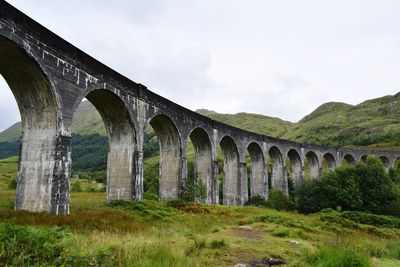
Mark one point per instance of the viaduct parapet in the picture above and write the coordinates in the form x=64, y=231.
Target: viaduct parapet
x=49, y=78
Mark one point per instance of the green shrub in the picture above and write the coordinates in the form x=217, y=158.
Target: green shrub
x=196, y=247
x=215, y=244
x=12, y=184
x=361, y=187
x=195, y=189
x=394, y=251
x=148, y=210
x=25, y=245
x=281, y=232
x=257, y=201
x=76, y=187
x=279, y=201
x=372, y=219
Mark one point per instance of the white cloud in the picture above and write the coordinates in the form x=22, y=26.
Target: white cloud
x=279, y=58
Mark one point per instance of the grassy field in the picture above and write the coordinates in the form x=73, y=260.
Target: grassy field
x=153, y=233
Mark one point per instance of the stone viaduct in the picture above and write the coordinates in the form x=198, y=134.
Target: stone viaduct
x=49, y=78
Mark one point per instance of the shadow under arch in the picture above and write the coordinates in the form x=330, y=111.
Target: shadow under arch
x=42, y=182
x=363, y=158
x=203, y=159
x=348, y=159
x=330, y=161
x=258, y=177
x=170, y=172
x=278, y=172
x=385, y=161
x=121, y=166
x=315, y=170
x=296, y=168
x=231, y=177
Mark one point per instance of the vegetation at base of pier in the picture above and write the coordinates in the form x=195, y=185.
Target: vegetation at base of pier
x=343, y=228
x=181, y=233
x=365, y=187
x=362, y=186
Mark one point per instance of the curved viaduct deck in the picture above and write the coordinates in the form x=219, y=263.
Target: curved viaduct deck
x=49, y=78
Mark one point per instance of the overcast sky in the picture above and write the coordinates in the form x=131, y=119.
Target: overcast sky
x=278, y=58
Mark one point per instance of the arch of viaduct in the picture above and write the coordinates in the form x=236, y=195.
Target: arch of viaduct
x=50, y=77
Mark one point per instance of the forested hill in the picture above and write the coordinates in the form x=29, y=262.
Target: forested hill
x=374, y=123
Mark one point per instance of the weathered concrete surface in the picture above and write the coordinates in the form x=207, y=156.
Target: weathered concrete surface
x=296, y=167
x=170, y=156
x=49, y=78
x=231, y=182
x=203, y=159
x=258, y=175
x=278, y=170
x=315, y=170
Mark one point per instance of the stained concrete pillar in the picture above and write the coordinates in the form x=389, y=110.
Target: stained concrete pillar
x=215, y=183
x=122, y=139
x=258, y=175
x=315, y=170
x=278, y=171
x=182, y=176
x=203, y=159
x=45, y=156
x=231, y=180
x=330, y=161
x=296, y=168
x=120, y=170
x=139, y=175
x=44, y=172
x=243, y=183
x=172, y=165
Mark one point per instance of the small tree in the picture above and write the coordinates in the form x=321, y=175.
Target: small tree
x=195, y=189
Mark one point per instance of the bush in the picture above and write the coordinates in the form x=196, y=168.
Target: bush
x=148, y=210
x=12, y=184
x=281, y=232
x=195, y=189
x=360, y=187
x=257, y=201
x=215, y=244
x=23, y=246
x=279, y=201
x=372, y=219
x=76, y=187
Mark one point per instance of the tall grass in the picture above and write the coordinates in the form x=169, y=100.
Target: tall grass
x=337, y=257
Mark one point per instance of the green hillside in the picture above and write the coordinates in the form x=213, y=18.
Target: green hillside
x=87, y=120
x=11, y=134
x=252, y=122
x=374, y=123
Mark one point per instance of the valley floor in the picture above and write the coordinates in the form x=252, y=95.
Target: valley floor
x=153, y=233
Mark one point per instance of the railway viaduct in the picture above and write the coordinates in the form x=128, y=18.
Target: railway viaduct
x=49, y=78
